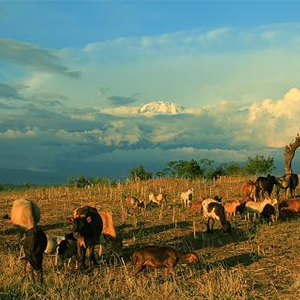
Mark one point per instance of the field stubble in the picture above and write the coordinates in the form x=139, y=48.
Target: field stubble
x=257, y=261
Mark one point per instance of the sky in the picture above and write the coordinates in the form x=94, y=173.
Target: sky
x=73, y=75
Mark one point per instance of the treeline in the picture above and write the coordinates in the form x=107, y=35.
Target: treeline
x=186, y=169
x=207, y=169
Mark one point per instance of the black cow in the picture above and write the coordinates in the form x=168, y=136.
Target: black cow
x=265, y=184
x=87, y=228
x=35, y=243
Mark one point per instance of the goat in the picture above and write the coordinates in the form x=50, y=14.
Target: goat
x=257, y=207
x=231, y=209
x=269, y=213
x=288, y=208
x=186, y=197
x=160, y=257
x=214, y=210
x=133, y=201
x=158, y=199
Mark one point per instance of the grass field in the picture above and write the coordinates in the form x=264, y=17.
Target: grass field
x=257, y=261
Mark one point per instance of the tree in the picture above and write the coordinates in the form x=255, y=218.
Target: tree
x=259, y=165
x=191, y=169
x=140, y=173
x=289, y=153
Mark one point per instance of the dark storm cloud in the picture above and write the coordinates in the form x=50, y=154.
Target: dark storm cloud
x=120, y=100
x=34, y=57
x=9, y=92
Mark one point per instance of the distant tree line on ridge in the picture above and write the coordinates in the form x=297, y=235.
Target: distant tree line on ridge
x=207, y=169
x=186, y=169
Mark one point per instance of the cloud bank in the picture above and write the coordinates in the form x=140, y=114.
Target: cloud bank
x=78, y=110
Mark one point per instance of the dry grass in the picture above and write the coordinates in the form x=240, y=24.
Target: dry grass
x=257, y=261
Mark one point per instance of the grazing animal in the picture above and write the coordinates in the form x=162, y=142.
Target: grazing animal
x=158, y=199
x=249, y=190
x=187, y=197
x=196, y=206
x=269, y=213
x=288, y=208
x=133, y=201
x=214, y=210
x=258, y=207
x=160, y=257
x=109, y=232
x=25, y=213
x=66, y=249
x=287, y=182
x=34, y=244
x=231, y=209
x=52, y=242
x=218, y=198
x=265, y=184
x=87, y=228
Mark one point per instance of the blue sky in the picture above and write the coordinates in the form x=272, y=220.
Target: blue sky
x=74, y=74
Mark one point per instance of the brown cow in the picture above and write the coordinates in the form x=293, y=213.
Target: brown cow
x=160, y=257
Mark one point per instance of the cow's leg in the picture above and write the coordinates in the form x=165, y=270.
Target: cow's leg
x=81, y=257
x=91, y=256
x=207, y=225
x=213, y=223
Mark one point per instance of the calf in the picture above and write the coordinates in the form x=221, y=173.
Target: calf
x=52, y=242
x=160, y=257
x=214, y=210
x=186, y=197
x=34, y=244
x=66, y=249
x=158, y=199
x=87, y=228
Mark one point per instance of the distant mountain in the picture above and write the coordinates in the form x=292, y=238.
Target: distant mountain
x=161, y=107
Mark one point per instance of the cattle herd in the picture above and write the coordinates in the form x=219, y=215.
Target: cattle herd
x=91, y=227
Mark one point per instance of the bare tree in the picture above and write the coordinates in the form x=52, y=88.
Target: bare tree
x=289, y=153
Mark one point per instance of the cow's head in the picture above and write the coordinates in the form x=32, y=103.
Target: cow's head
x=81, y=224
